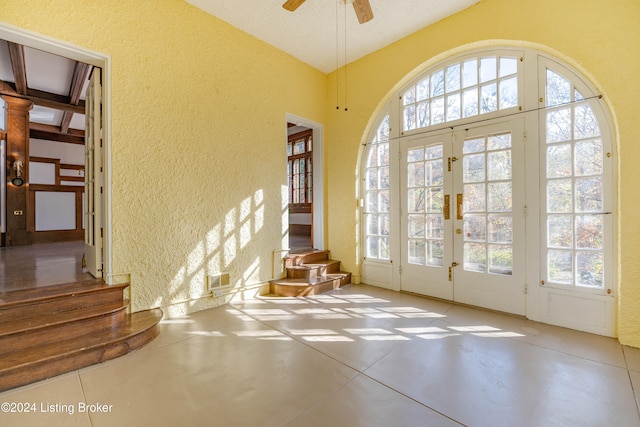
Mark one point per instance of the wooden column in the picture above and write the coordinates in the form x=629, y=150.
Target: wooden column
x=17, y=128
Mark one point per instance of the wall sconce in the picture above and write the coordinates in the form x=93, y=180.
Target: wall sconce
x=17, y=168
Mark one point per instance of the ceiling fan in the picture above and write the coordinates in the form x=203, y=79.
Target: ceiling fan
x=362, y=8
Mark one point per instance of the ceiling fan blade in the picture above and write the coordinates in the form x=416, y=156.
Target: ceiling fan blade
x=292, y=5
x=363, y=10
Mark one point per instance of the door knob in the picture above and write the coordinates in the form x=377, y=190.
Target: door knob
x=458, y=231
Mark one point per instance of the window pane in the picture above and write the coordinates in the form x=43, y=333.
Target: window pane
x=470, y=103
x=383, y=154
x=589, y=229
x=435, y=200
x=383, y=201
x=415, y=154
x=372, y=201
x=372, y=224
x=474, y=198
x=489, y=98
x=473, y=146
x=415, y=174
x=560, y=266
x=435, y=226
x=487, y=69
x=589, y=194
x=558, y=89
x=422, y=89
x=435, y=256
x=473, y=168
x=586, y=124
x=383, y=178
x=383, y=223
x=475, y=228
x=409, y=117
x=416, y=252
x=453, y=77
x=372, y=246
x=424, y=111
x=434, y=173
x=500, y=229
x=509, y=93
x=409, y=96
x=500, y=259
x=437, y=83
x=499, y=197
x=475, y=257
x=437, y=111
x=498, y=142
x=453, y=107
x=434, y=152
x=416, y=226
x=470, y=73
x=589, y=269
x=508, y=66
x=416, y=200
x=559, y=125
x=560, y=231
x=299, y=147
x=589, y=159
x=559, y=162
x=559, y=196
x=499, y=165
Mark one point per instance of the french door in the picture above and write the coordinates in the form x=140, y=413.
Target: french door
x=93, y=177
x=463, y=215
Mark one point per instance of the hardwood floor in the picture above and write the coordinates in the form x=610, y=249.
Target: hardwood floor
x=44, y=264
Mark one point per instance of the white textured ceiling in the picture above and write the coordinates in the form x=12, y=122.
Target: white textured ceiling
x=315, y=32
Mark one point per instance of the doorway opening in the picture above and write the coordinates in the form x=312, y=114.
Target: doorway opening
x=305, y=185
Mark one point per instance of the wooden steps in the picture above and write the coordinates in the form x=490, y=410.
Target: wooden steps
x=51, y=330
x=308, y=274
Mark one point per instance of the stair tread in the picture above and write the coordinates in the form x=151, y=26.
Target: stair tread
x=34, y=295
x=135, y=323
x=14, y=326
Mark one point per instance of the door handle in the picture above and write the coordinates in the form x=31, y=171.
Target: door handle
x=459, y=213
x=447, y=207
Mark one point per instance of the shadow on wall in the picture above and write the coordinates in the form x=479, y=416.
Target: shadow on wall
x=226, y=248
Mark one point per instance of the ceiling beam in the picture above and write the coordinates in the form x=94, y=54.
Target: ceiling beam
x=80, y=74
x=16, y=53
x=53, y=133
x=43, y=99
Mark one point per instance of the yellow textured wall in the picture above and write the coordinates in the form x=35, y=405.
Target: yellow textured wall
x=198, y=139
x=599, y=37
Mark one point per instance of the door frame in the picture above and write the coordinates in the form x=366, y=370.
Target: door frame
x=318, y=176
x=103, y=61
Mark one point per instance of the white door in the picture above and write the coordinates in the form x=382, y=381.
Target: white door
x=462, y=221
x=93, y=170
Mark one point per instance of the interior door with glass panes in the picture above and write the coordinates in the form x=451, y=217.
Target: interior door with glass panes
x=462, y=216
x=489, y=220
x=426, y=225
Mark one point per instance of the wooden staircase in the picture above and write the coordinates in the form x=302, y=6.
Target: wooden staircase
x=309, y=273
x=50, y=330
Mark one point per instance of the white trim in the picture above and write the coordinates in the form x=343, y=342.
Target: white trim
x=318, y=176
x=68, y=50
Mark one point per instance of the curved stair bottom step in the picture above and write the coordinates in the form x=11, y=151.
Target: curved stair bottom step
x=58, y=358
x=304, y=288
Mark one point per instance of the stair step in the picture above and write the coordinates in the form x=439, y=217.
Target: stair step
x=303, y=287
x=305, y=258
x=52, y=291
x=39, y=330
x=23, y=366
x=77, y=296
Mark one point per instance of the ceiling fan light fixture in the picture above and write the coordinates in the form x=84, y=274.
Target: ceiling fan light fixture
x=292, y=5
